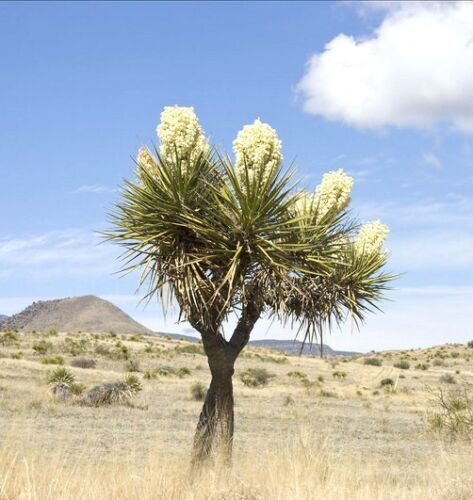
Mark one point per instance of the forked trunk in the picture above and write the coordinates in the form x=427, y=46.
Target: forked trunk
x=214, y=433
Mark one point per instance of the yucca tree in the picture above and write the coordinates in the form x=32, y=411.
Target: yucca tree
x=221, y=237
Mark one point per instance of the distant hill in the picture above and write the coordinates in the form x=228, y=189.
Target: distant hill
x=72, y=314
x=292, y=347
x=297, y=347
x=3, y=318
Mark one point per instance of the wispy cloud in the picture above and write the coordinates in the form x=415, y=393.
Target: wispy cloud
x=432, y=160
x=95, y=189
x=70, y=251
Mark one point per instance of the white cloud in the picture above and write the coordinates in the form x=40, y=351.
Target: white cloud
x=414, y=71
x=94, y=188
x=432, y=160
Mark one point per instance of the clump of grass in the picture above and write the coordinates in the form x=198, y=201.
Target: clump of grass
x=255, y=377
x=87, y=363
x=198, y=391
x=119, y=392
x=447, y=378
x=403, y=364
x=373, y=361
x=52, y=360
x=387, y=382
x=438, y=362
x=17, y=355
x=165, y=371
x=320, y=378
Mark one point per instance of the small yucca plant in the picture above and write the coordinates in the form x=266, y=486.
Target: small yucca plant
x=113, y=392
x=60, y=375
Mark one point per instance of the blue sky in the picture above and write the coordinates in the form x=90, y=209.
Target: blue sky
x=384, y=91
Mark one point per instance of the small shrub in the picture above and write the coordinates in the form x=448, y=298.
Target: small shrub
x=149, y=374
x=455, y=417
x=455, y=354
x=387, y=382
x=198, y=391
x=328, y=394
x=422, y=366
x=132, y=366
x=288, y=401
x=190, y=349
x=402, y=364
x=340, y=374
x=77, y=388
x=103, y=350
x=52, y=360
x=373, y=361
x=41, y=347
x=9, y=338
x=17, y=355
x=255, y=377
x=470, y=344
x=438, y=362
x=183, y=372
x=320, y=378
x=447, y=378
x=297, y=374
x=87, y=363
x=165, y=371
x=113, y=392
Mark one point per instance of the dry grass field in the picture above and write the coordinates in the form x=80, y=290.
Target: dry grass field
x=318, y=429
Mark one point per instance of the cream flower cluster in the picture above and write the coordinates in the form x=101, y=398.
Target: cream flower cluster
x=333, y=193
x=371, y=237
x=180, y=131
x=257, y=146
x=145, y=159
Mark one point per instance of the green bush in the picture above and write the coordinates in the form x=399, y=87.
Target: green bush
x=402, y=364
x=198, y=391
x=470, y=344
x=255, y=377
x=455, y=354
x=52, y=360
x=9, y=338
x=387, y=382
x=17, y=355
x=42, y=347
x=373, y=361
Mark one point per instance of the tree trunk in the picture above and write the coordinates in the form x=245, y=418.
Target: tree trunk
x=214, y=432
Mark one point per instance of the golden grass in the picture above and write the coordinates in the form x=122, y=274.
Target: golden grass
x=298, y=467
x=336, y=439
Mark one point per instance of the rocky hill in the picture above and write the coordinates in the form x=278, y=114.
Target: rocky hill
x=3, y=318
x=72, y=314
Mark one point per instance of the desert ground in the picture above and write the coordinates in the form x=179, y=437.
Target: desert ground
x=316, y=429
